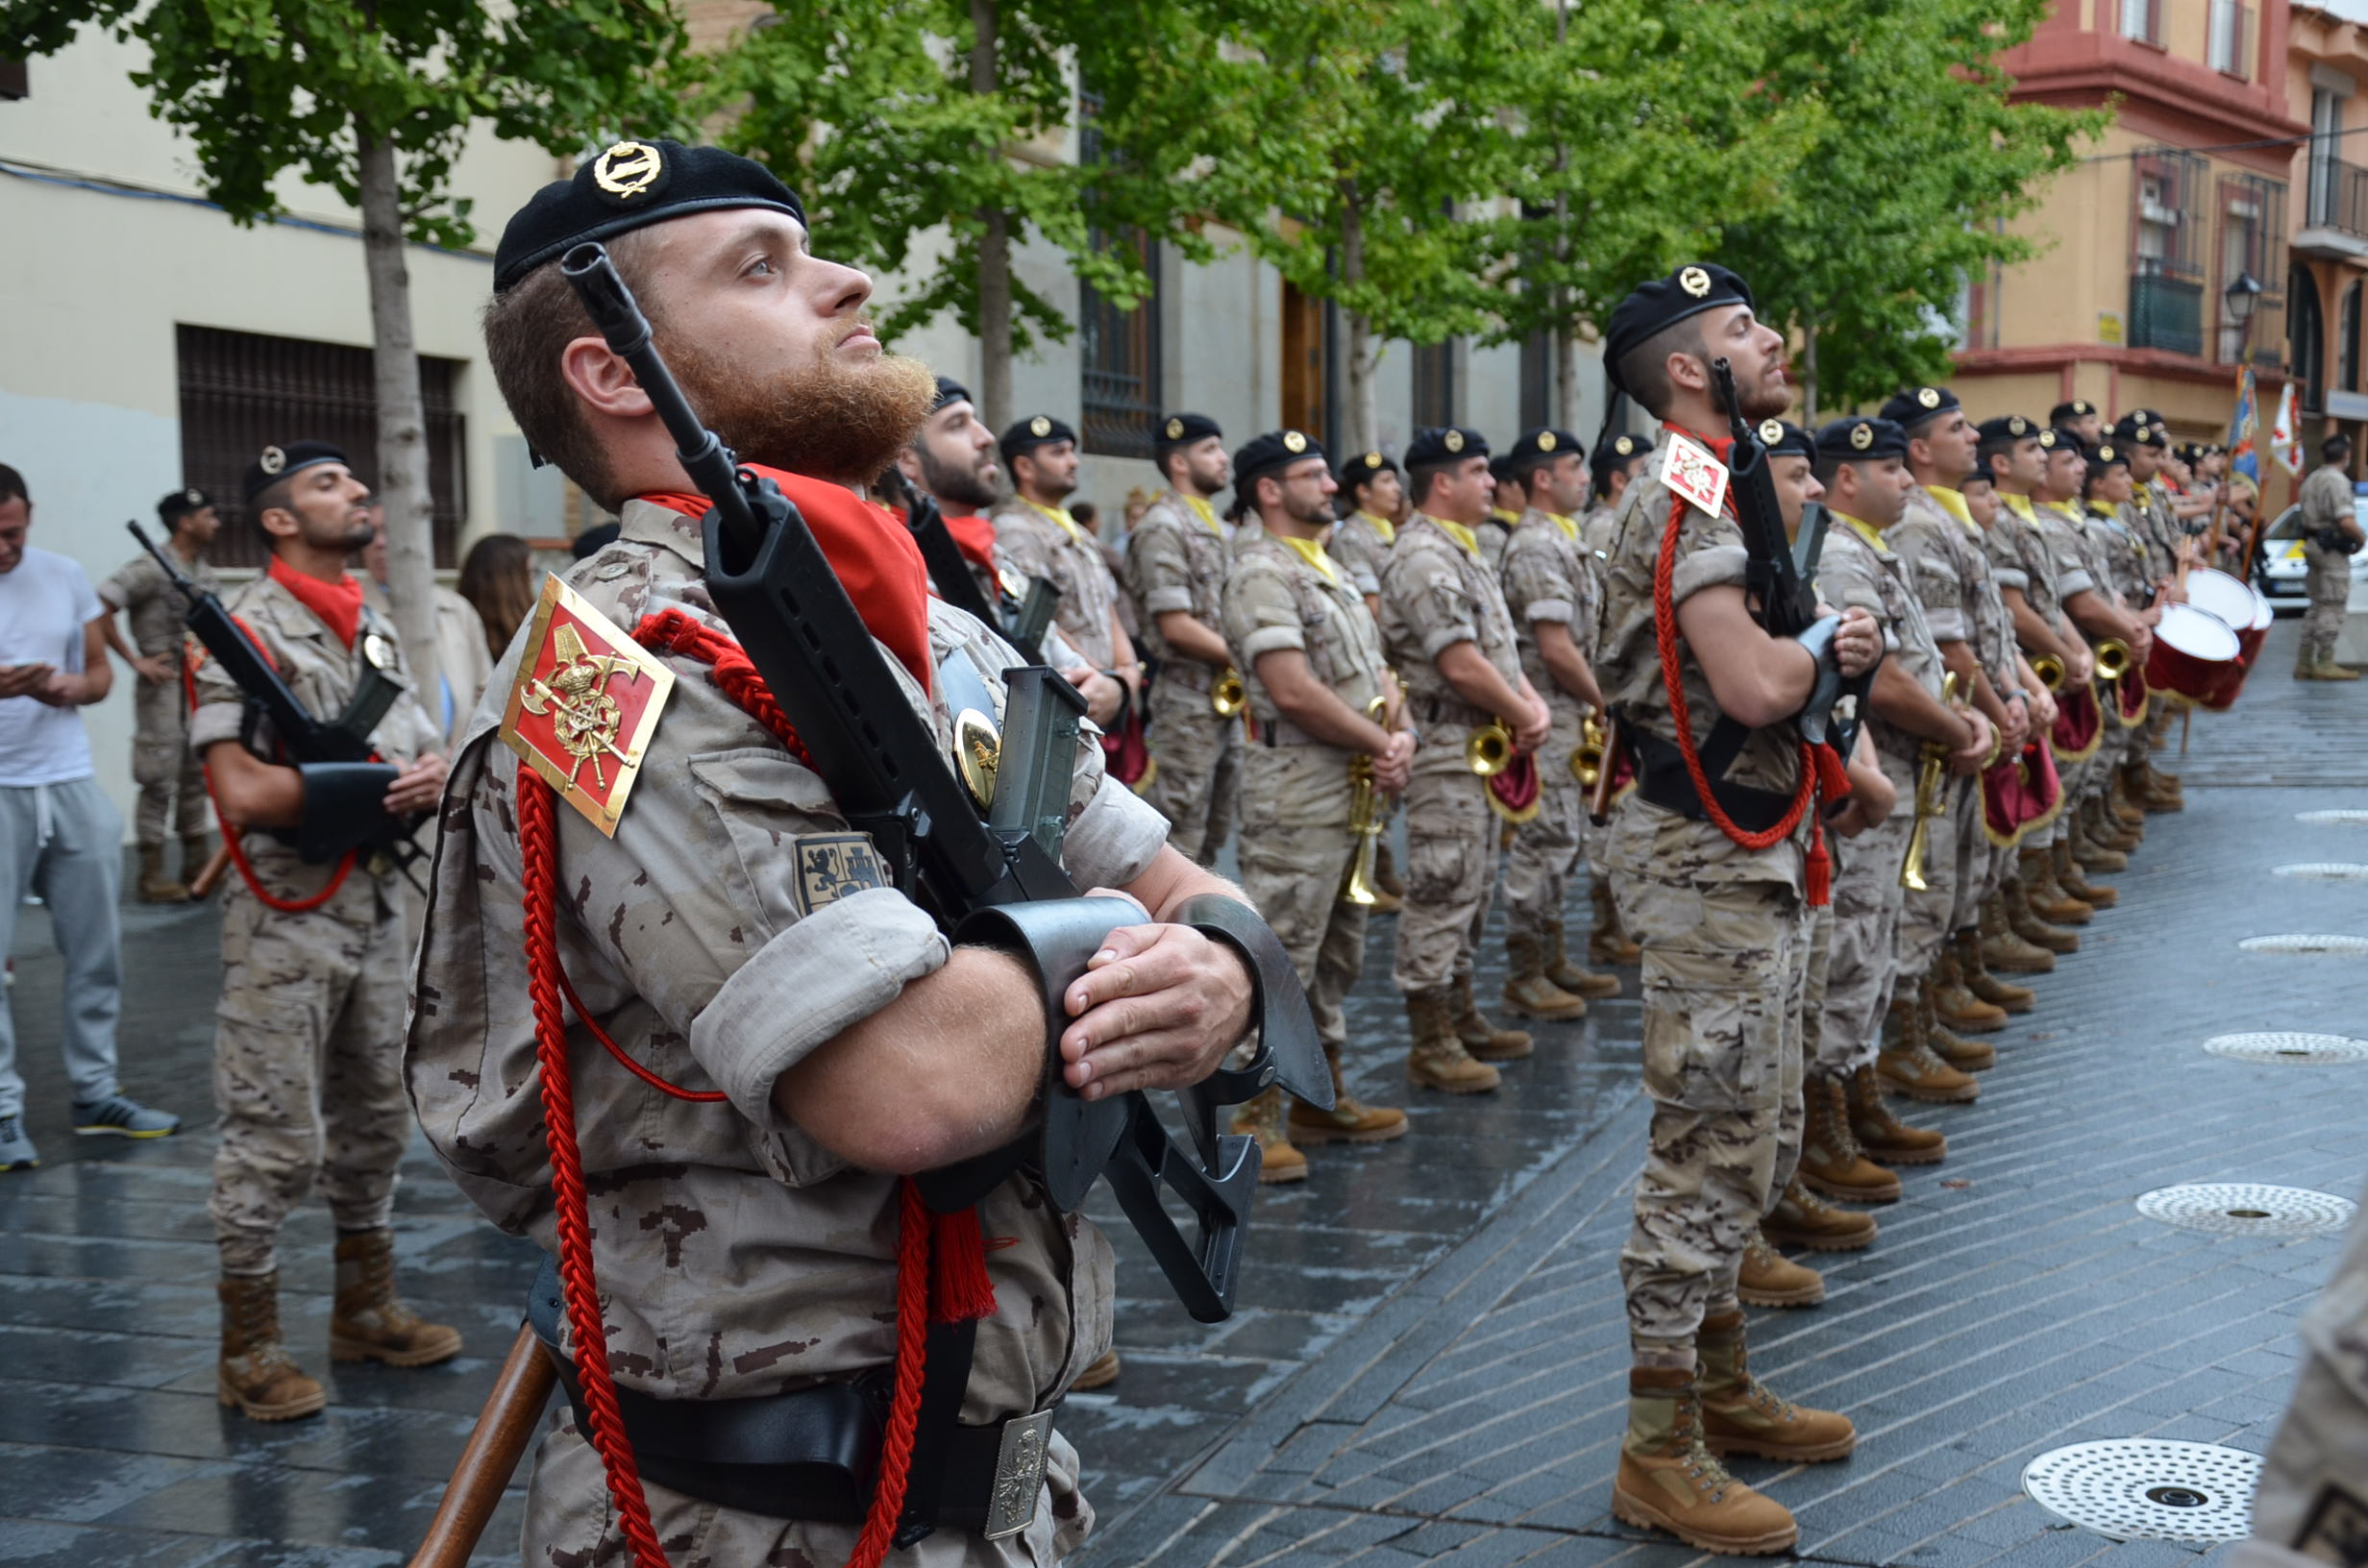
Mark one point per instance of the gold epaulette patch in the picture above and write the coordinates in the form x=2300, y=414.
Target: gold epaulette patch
x=584, y=705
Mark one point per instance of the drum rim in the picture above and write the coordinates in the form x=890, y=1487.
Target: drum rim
x=2170, y=619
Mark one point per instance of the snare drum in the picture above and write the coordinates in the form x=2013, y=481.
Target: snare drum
x=2234, y=601
x=2195, y=653
x=2248, y=653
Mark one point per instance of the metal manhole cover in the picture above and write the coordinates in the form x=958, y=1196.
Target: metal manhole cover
x=2247, y=1209
x=2146, y=1489
x=2352, y=946
x=2300, y=1050
x=2323, y=818
x=2325, y=871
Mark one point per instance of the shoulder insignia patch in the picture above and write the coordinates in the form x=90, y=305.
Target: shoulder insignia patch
x=834, y=866
x=1688, y=471
x=584, y=705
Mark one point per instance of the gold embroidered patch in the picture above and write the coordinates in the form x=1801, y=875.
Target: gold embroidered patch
x=1293, y=441
x=1694, y=282
x=584, y=705
x=835, y=866
x=626, y=169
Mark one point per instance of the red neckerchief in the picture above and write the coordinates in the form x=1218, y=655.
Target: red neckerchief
x=876, y=560
x=1720, y=445
x=338, y=603
x=974, y=537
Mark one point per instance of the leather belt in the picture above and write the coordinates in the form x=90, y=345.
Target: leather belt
x=1662, y=780
x=812, y=1455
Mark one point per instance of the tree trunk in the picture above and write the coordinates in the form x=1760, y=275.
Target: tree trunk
x=403, y=422
x=994, y=250
x=1364, y=352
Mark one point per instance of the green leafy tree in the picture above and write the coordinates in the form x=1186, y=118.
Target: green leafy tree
x=1906, y=191
x=375, y=103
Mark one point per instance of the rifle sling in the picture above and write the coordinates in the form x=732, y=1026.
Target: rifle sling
x=1662, y=779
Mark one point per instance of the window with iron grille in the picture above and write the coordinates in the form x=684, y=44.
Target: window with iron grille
x=241, y=392
x=2347, y=339
x=1119, y=350
x=2166, y=250
x=2252, y=240
x=1434, y=389
x=2142, y=20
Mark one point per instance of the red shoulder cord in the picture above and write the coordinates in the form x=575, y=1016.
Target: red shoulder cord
x=1822, y=772
x=941, y=1259
x=230, y=831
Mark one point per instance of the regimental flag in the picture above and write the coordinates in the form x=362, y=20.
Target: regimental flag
x=2242, y=426
x=585, y=703
x=2285, y=440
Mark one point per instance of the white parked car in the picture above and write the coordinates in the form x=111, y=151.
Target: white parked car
x=2281, y=568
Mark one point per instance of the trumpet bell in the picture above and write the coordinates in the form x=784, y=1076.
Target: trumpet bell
x=2050, y=671
x=1489, y=749
x=1228, y=693
x=2112, y=659
x=1587, y=764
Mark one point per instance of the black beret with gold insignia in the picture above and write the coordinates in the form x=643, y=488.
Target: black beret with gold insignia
x=1658, y=305
x=1437, y=448
x=1362, y=469
x=1035, y=431
x=276, y=463
x=2005, y=427
x=1612, y=450
x=2136, y=430
x=2055, y=438
x=1271, y=453
x=1182, y=431
x=1918, y=404
x=950, y=391
x=180, y=503
x=2065, y=413
x=1783, y=438
x=2108, y=454
x=1541, y=446
x=628, y=185
x=1861, y=438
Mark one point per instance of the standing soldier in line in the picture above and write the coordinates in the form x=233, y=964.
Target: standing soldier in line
x=1550, y=592
x=1175, y=570
x=1617, y=460
x=1505, y=509
x=1035, y=537
x=1324, y=701
x=1446, y=631
x=2143, y=786
x=1373, y=500
x=1719, y=894
x=172, y=786
x=309, y=1051
x=2330, y=537
x=2109, y=498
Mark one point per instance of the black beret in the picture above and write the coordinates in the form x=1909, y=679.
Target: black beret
x=631, y=185
x=1665, y=301
x=1543, y=445
x=1615, y=450
x=1861, y=438
x=1036, y=430
x=1364, y=468
x=1980, y=475
x=277, y=463
x=1269, y=453
x=2065, y=413
x=2134, y=429
x=1782, y=436
x=2005, y=427
x=180, y=503
x=1434, y=448
x=1912, y=407
x=2108, y=454
x=950, y=391
x=1183, y=429
x=2055, y=438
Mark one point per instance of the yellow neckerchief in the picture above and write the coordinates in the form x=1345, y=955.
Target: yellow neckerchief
x=1056, y=514
x=1202, y=510
x=1569, y=524
x=1953, y=502
x=2104, y=510
x=1310, y=550
x=1381, y=525
x=2020, y=506
x=1456, y=531
x=1872, y=535
x=1509, y=518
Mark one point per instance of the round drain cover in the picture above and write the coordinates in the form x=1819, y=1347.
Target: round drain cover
x=2325, y=871
x=2330, y=817
x=2247, y=1209
x=2300, y=1050
x=2351, y=946
x=2145, y=1490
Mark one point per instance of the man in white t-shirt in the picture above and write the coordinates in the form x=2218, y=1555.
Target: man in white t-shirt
x=59, y=836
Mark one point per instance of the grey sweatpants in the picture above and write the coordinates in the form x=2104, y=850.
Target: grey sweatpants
x=64, y=841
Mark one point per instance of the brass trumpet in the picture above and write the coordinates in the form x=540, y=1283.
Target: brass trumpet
x=1587, y=762
x=2112, y=659
x=2050, y=671
x=1228, y=693
x=1489, y=749
x=1931, y=760
x=1366, y=816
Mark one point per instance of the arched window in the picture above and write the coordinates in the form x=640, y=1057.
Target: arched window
x=2305, y=337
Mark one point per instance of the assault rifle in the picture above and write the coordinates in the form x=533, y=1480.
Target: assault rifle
x=995, y=879
x=344, y=783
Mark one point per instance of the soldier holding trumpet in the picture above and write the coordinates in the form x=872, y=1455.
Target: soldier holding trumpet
x=1331, y=742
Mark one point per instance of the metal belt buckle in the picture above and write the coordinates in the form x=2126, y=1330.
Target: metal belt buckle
x=1019, y=1474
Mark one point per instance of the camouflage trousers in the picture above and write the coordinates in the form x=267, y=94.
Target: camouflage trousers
x=1293, y=876
x=1545, y=849
x=2313, y=1495
x=1867, y=900
x=307, y=1066
x=172, y=785
x=1450, y=873
x=1926, y=919
x=1975, y=865
x=2329, y=587
x=1726, y=983
x=1200, y=757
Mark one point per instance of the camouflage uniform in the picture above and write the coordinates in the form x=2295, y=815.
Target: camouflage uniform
x=1176, y=560
x=2313, y=1494
x=2326, y=497
x=171, y=780
x=1595, y=530
x=732, y=925
x=1726, y=933
x=1436, y=593
x=1035, y=543
x=1494, y=536
x=1546, y=579
x=2077, y=572
x=1296, y=841
x=1873, y=948
x=307, y=1042
x=2021, y=559
x=1361, y=545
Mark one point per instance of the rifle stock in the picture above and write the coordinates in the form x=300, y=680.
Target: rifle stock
x=503, y=1432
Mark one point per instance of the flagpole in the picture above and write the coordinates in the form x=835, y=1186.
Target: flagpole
x=2236, y=419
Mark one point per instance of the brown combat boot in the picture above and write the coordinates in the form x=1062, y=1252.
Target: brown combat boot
x=2123, y=794
x=1606, y=942
x=1972, y=965
x=1528, y=993
x=1963, y=1054
x=2048, y=897
x=1261, y=1116
x=1803, y=1219
x=155, y=886
x=2161, y=792
x=2002, y=949
x=1907, y=1064
x=1958, y=1007
x=1832, y=1162
x=1385, y=881
x=370, y=1322
x=1670, y=1481
x=1767, y=1278
x=2090, y=854
x=2112, y=828
x=1438, y=1058
x=196, y=848
x=1883, y=1135
x=1482, y=1037
x=1350, y=1121
x=2027, y=923
x=1741, y=1415
x=1564, y=973
x=257, y=1376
